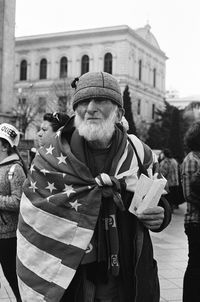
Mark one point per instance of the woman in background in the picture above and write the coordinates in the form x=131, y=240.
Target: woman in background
x=51, y=123
x=12, y=176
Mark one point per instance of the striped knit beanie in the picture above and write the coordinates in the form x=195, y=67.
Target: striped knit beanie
x=96, y=85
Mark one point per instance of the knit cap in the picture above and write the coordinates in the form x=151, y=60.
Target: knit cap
x=97, y=85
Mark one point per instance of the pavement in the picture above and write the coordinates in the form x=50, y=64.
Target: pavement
x=170, y=251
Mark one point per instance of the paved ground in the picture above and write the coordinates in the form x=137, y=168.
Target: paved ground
x=170, y=249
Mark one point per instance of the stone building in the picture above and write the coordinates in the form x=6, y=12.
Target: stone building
x=46, y=64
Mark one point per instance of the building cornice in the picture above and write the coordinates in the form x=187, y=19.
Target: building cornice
x=93, y=32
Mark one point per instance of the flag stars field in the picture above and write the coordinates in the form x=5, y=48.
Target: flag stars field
x=50, y=150
x=44, y=171
x=51, y=187
x=68, y=190
x=75, y=205
x=33, y=186
x=61, y=159
x=32, y=169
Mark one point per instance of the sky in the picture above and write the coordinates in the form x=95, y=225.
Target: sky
x=174, y=23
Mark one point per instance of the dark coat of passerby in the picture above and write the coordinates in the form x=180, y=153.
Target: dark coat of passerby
x=190, y=180
x=83, y=243
x=12, y=176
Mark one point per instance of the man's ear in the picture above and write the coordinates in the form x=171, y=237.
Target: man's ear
x=120, y=113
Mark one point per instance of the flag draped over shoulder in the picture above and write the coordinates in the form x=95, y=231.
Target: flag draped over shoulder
x=58, y=213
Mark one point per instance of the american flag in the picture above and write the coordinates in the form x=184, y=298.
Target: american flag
x=58, y=213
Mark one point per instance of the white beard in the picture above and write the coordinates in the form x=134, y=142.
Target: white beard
x=102, y=132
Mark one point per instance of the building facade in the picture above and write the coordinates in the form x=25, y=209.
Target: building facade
x=46, y=64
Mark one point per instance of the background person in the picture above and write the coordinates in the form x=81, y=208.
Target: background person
x=51, y=123
x=169, y=169
x=12, y=176
x=190, y=182
x=80, y=189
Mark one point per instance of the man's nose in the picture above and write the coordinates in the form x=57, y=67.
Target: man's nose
x=92, y=106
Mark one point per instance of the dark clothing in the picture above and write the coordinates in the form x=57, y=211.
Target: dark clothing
x=191, y=288
x=8, y=262
x=10, y=194
x=190, y=167
x=137, y=279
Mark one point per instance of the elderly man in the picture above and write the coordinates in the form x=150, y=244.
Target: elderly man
x=82, y=244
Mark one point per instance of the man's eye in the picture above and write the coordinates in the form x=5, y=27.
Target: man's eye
x=84, y=103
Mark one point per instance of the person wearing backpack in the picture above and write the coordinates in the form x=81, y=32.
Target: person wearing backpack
x=12, y=176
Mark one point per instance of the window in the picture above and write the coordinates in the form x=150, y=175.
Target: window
x=154, y=77
x=43, y=69
x=139, y=107
x=140, y=70
x=23, y=70
x=84, y=64
x=108, y=63
x=153, y=111
x=63, y=67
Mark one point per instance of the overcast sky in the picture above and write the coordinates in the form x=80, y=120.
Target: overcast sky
x=174, y=23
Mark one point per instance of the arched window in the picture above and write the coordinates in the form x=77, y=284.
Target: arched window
x=63, y=67
x=108, y=62
x=84, y=64
x=140, y=70
x=153, y=111
x=139, y=107
x=43, y=69
x=23, y=70
x=154, y=77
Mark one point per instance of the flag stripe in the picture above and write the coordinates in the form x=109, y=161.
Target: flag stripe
x=29, y=295
x=33, y=287
x=50, y=268
x=66, y=231
x=69, y=254
x=125, y=161
x=138, y=145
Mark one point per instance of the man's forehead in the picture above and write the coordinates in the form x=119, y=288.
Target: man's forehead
x=97, y=100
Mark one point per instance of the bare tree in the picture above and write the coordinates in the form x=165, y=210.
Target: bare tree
x=26, y=109
x=62, y=91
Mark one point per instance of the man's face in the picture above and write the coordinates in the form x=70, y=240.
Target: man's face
x=95, y=119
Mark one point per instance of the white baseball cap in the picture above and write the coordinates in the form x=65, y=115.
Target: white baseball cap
x=10, y=133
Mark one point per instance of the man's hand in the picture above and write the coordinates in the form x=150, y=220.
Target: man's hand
x=152, y=218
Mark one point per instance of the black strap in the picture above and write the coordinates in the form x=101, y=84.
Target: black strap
x=142, y=168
